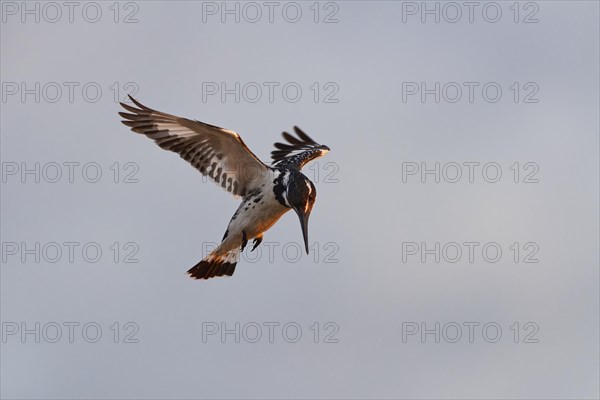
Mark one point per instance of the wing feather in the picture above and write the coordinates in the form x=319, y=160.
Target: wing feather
x=217, y=153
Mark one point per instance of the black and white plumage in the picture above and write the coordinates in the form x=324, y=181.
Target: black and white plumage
x=267, y=192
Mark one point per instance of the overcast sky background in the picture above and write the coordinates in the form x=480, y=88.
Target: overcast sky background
x=363, y=215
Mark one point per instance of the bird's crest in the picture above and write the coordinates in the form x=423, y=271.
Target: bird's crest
x=298, y=151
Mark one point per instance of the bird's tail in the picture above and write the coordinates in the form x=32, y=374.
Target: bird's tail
x=215, y=265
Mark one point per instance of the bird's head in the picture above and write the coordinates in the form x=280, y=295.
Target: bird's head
x=301, y=195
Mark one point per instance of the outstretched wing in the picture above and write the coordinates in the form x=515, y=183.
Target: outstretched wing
x=298, y=151
x=216, y=152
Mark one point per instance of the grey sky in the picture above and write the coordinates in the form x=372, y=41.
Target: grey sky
x=370, y=213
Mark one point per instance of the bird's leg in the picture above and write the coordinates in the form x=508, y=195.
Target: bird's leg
x=244, y=240
x=257, y=240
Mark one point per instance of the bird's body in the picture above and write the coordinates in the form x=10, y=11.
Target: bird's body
x=258, y=211
x=267, y=192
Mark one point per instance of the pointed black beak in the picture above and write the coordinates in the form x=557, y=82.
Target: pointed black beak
x=304, y=224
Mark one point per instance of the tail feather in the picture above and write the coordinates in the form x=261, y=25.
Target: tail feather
x=214, y=265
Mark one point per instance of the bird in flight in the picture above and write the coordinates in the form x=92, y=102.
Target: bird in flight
x=267, y=192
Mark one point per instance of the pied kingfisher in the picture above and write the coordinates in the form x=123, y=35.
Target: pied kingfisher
x=267, y=192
